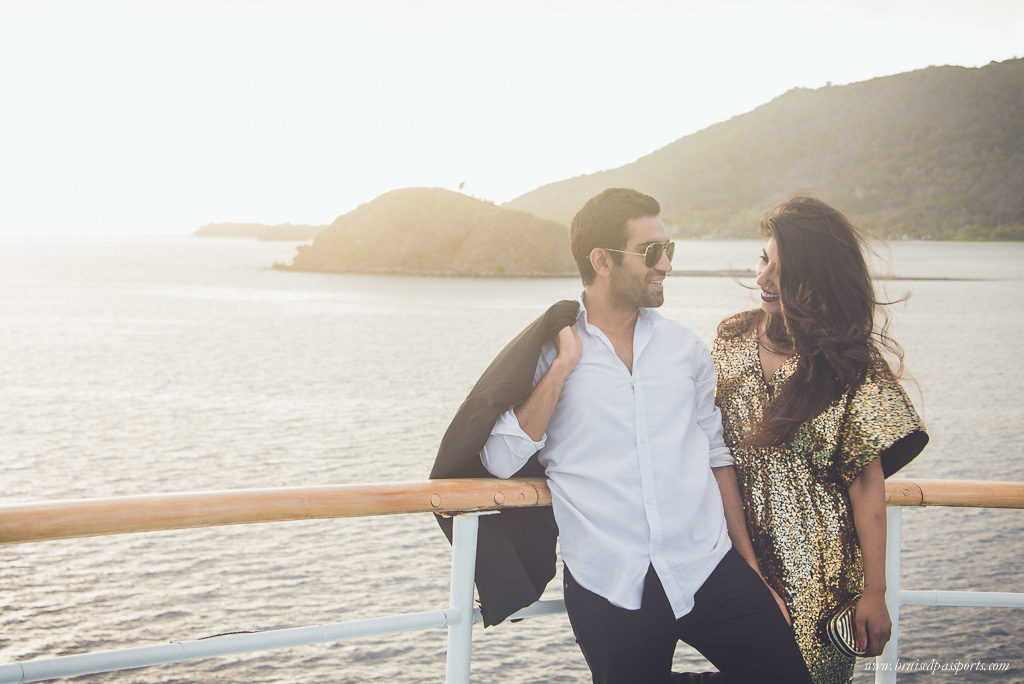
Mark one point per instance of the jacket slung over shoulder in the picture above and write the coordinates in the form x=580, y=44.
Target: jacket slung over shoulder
x=516, y=548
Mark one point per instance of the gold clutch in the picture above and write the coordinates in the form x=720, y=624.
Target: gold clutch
x=841, y=631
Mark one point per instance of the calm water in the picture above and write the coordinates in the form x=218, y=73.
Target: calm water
x=137, y=365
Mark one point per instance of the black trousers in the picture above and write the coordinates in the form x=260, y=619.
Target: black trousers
x=735, y=623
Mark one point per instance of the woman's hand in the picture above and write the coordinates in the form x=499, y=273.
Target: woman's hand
x=872, y=622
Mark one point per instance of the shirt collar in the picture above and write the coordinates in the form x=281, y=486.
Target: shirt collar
x=643, y=313
x=642, y=332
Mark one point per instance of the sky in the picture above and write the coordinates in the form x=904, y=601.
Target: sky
x=155, y=117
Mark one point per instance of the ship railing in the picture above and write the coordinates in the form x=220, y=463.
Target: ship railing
x=465, y=500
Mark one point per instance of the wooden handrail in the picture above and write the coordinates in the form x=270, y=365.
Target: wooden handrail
x=958, y=493
x=48, y=520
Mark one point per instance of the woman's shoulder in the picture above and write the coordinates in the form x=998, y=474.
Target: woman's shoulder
x=880, y=393
x=732, y=340
x=739, y=323
x=879, y=369
x=736, y=327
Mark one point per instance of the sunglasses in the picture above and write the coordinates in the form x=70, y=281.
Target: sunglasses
x=651, y=255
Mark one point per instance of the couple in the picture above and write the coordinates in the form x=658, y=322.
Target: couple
x=739, y=541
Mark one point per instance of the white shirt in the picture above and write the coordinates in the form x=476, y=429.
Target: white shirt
x=628, y=459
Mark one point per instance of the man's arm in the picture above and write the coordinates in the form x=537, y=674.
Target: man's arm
x=734, y=518
x=709, y=418
x=535, y=413
x=519, y=433
x=737, y=525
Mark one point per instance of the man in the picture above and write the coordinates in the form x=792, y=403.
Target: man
x=621, y=416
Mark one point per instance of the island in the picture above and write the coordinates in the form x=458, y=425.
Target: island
x=432, y=231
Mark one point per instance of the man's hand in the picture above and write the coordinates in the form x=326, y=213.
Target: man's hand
x=782, y=604
x=569, y=348
x=535, y=413
x=872, y=622
x=778, y=599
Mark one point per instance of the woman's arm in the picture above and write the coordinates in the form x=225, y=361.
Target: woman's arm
x=867, y=497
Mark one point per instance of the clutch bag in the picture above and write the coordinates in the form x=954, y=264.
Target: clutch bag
x=841, y=631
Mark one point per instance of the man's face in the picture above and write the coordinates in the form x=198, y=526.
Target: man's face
x=633, y=284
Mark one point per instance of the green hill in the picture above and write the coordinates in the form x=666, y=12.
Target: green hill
x=430, y=231
x=936, y=153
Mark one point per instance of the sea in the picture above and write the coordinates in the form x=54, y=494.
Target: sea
x=136, y=365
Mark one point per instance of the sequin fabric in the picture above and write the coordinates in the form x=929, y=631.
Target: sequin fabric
x=795, y=496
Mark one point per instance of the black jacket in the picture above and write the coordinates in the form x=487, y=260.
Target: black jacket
x=515, y=556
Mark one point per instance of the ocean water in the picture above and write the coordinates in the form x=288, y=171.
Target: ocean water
x=159, y=364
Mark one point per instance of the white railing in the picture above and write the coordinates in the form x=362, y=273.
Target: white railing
x=465, y=499
x=935, y=493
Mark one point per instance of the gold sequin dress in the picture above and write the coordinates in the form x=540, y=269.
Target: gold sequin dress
x=795, y=496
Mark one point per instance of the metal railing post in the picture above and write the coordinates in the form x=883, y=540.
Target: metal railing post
x=885, y=672
x=460, y=603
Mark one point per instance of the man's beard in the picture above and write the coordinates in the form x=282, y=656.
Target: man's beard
x=630, y=291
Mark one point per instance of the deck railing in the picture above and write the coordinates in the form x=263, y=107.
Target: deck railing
x=464, y=499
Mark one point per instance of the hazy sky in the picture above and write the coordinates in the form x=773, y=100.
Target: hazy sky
x=157, y=117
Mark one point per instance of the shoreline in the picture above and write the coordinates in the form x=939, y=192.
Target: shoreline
x=676, y=273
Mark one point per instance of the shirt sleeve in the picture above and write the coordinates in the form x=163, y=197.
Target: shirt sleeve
x=878, y=415
x=509, y=447
x=709, y=418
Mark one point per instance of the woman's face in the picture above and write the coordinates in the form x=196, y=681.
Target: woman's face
x=768, y=277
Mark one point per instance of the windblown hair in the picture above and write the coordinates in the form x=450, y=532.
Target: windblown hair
x=602, y=223
x=827, y=314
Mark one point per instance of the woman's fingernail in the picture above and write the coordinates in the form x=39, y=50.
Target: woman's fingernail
x=860, y=644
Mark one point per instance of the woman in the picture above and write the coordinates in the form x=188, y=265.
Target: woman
x=816, y=419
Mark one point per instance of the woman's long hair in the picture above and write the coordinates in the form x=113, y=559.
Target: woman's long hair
x=827, y=314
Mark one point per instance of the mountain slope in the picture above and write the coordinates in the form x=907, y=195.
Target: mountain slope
x=936, y=153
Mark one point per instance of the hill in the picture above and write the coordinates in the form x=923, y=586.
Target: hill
x=936, y=153
x=430, y=231
x=282, y=231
